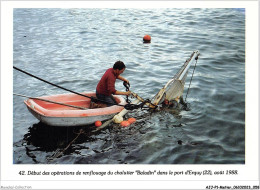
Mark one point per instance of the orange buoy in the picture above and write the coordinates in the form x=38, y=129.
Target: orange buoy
x=98, y=123
x=131, y=120
x=147, y=39
x=125, y=123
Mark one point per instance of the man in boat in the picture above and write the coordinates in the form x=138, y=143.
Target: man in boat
x=106, y=86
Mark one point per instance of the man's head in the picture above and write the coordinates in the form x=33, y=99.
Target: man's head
x=119, y=67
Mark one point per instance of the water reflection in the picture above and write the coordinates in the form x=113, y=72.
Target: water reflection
x=48, y=144
x=50, y=139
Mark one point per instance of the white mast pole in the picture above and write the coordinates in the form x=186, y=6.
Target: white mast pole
x=196, y=54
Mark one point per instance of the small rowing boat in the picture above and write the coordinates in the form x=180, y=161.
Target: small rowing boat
x=71, y=109
x=75, y=109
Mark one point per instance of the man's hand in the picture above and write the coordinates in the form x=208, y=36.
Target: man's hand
x=128, y=93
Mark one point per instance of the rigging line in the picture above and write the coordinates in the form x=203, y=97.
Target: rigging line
x=60, y=86
x=78, y=107
x=59, y=153
x=191, y=79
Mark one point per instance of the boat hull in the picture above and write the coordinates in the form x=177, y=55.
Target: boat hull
x=60, y=115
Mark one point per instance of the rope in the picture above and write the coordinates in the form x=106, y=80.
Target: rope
x=128, y=106
x=61, y=86
x=59, y=153
x=78, y=107
x=191, y=79
x=127, y=86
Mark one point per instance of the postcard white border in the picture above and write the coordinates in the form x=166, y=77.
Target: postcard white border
x=248, y=172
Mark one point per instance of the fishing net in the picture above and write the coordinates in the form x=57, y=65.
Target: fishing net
x=175, y=87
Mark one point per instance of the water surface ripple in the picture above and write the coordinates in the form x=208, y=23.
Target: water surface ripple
x=74, y=47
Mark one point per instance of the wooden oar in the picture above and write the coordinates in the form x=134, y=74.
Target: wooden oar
x=77, y=107
x=151, y=105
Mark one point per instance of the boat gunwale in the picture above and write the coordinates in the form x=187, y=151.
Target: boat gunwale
x=71, y=113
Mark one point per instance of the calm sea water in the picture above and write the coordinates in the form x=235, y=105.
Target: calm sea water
x=74, y=47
